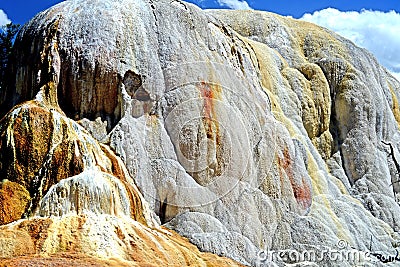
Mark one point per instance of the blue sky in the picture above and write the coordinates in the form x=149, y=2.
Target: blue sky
x=374, y=25
x=20, y=11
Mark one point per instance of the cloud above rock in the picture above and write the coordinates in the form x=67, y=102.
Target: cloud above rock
x=234, y=4
x=3, y=18
x=374, y=30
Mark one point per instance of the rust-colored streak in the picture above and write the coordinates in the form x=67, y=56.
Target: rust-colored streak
x=286, y=164
x=134, y=197
x=301, y=191
x=302, y=194
x=208, y=97
x=136, y=204
x=211, y=93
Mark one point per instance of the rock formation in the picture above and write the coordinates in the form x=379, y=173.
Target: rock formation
x=246, y=132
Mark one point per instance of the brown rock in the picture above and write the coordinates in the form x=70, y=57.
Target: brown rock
x=13, y=199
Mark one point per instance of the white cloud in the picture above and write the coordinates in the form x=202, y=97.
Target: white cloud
x=374, y=30
x=3, y=18
x=396, y=75
x=234, y=4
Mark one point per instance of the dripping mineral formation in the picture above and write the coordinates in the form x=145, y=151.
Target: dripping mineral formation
x=142, y=132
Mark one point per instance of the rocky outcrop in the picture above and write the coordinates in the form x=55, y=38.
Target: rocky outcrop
x=53, y=166
x=246, y=132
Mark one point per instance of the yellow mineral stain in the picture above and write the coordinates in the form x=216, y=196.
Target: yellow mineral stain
x=340, y=185
x=320, y=186
x=265, y=62
x=395, y=105
x=319, y=37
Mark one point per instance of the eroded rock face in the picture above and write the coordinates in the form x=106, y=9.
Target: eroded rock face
x=40, y=148
x=244, y=131
x=98, y=240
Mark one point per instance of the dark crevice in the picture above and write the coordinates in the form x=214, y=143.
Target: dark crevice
x=163, y=210
x=133, y=83
x=153, y=10
x=396, y=163
x=334, y=72
x=334, y=130
x=225, y=31
x=306, y=75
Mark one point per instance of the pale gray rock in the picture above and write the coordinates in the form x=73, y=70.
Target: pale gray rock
x=97, y=128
